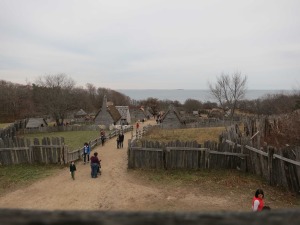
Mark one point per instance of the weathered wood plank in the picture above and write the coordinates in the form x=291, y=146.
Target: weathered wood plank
x=286, y=159
x=257, y=150
x=26, y=217
x=229, y=153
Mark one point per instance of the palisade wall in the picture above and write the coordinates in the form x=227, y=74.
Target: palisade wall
x=280, y=167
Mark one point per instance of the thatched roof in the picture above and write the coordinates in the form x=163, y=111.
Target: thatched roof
x=36, y=123
x=80, y=113
x=115, y=114
x=123, y=110
x=172, y=109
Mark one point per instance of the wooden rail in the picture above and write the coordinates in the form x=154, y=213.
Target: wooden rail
x=26, y=217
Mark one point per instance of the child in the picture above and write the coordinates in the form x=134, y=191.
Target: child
x=86, y=152
x=72, y=170
x=257, y=201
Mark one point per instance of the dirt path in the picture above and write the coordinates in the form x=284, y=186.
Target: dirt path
x=116, y=189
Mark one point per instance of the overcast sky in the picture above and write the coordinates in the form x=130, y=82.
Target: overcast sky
x=155, y=44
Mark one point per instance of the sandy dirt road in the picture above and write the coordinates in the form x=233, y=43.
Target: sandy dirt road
x=116, y=189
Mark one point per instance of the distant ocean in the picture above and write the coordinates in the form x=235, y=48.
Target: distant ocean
x=183, y=94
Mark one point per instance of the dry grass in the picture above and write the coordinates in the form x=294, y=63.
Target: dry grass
x=194, y=134
x=219, y=183
x=4, y=125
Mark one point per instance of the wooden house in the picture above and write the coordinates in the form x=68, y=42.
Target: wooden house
x=137, y=114
x=80, y=116
x=107, y=115
x=125, y=115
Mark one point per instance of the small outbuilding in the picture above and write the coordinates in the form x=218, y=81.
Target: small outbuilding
x=80, y=114
x=34, y=123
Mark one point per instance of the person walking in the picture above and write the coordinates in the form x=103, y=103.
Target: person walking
x=95, y=164
x=118, y=142
x=121, y=139
x=257, y=201
x=72, y=170
x=102, y=136
x=86, y=152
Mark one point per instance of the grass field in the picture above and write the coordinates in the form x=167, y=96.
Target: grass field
x=194, y=134
x=73, y=139
x=16, y=176
x=3, y=125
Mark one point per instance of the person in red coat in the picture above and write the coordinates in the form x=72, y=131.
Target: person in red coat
x=257, y=201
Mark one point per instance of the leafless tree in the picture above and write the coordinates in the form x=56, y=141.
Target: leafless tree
x=229, y=90
x=53, y=93
x=15, y=101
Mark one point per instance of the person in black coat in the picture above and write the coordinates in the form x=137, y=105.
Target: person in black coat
x=72, y=170
x=121, y=140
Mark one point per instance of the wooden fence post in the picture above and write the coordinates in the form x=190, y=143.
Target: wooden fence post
x=207, y=151
x=243, y=162
x=165, y=156
x=65, y=154
x=270, y=164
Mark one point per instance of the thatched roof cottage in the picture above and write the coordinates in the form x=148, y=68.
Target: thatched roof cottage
x=107, y=115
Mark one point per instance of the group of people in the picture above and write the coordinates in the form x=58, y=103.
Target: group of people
x=120, y=140
x=95, y=162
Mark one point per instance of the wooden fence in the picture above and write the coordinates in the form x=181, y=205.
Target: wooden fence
x=20, y=150
x=278, y=166
x=43, y=217
x=184, y=155
x=11, y=130
x=49, y=150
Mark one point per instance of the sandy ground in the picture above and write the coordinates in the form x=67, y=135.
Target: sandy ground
x=116, y=189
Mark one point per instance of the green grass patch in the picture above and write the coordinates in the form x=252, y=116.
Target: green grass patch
x=73, y=139
x=17, y=176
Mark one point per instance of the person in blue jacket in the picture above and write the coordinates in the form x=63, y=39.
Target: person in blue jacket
x=86, y=152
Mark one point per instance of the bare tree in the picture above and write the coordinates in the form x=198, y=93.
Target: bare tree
x=53, y=93
x=152, y=104
x=15, y=101
x=229, y=90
